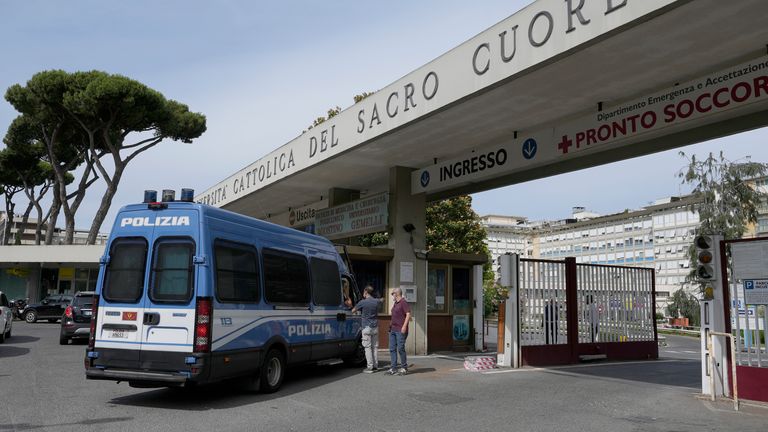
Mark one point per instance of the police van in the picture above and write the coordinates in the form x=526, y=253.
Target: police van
x=191, y=294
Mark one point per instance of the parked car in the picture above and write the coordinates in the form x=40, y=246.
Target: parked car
x=18, y=306
x=50, y=308
x=76, y=321
x=6, y=318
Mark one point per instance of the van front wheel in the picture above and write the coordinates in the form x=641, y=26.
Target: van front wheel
x=272, y=371
x=357, y=358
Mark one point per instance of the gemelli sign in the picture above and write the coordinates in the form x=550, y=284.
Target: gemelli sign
x=359, y=217
x=545, y=29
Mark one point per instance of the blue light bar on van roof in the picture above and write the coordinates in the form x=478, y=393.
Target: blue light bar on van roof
x=169, y=195
x=150, y=196
x=187, y=195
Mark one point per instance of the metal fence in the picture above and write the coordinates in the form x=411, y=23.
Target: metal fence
x=543, y=305
x=615, y=304
x=749, y=323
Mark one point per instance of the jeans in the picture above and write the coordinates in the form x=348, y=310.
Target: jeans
x=397, y=345
x=371, y=345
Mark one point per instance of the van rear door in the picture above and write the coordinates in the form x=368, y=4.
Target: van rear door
x=119, y=325
x=169, y=304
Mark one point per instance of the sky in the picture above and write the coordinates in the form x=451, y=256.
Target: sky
x=262, y=71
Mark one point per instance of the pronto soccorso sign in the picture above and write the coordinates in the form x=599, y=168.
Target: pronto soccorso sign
x=543, y=30
x=724, y=94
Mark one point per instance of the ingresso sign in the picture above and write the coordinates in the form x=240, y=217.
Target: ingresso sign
x=541, y=31
x=725, y=93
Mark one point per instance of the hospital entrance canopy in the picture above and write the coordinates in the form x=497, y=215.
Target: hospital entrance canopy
x=558, y=86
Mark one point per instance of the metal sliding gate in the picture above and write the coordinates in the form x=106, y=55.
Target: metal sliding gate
x=569, y=310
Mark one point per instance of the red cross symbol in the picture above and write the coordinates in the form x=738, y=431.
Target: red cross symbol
x=565, y=144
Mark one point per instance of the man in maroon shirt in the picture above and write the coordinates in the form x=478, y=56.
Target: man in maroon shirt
x=398, y=332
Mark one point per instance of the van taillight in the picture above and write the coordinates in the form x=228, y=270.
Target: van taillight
x=68, y=312
x=94, y=316
x=203, y=319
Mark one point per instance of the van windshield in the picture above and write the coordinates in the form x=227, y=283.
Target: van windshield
x=124, y=279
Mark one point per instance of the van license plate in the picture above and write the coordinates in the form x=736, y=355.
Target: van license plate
x=119, y=334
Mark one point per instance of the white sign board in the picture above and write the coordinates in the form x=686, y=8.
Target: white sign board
x=359, y=217
x=406, y=271
x=727, y=93
x=750, y=260
x=543, y=30
x=756, y=291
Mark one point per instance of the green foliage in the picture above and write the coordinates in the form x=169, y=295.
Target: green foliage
x=452, y=226
x=82, y=116
x=374, y=239
x=362, y=96
x=333, y=112
x=493, y=295
x=682, y=304
x=728, y=201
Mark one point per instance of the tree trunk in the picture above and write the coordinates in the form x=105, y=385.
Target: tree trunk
x=9, y=207
x=53, y=217
x=24, y=220
x=39, y=224
x=106, y=202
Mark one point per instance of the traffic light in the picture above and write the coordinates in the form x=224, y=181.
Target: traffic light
x=707, y=252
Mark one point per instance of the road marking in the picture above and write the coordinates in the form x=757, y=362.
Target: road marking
x=673, y=352
x=691, y=352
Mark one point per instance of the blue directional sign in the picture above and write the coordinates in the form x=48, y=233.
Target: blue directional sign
x=424, y=178
x=529, y=148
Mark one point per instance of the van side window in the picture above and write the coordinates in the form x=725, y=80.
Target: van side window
x=124, y=279
x=286, y=278
x=325, y=282
x=172, y=275
x=237, y=273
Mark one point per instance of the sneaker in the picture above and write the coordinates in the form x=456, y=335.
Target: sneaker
x=369, y=370
x=391, y=372
x=402, y=371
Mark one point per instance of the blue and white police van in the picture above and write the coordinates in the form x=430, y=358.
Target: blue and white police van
x=191, y=294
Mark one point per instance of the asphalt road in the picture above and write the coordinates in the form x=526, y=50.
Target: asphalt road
x=42, y=388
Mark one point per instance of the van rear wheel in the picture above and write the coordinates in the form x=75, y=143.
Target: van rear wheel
x=272, y=371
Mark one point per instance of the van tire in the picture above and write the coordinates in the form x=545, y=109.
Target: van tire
x=63, y=340
x=2, y=337
x=357, y=359
x=272, y=371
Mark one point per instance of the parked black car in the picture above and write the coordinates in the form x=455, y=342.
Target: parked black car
x=76, y=321
x=50, y=308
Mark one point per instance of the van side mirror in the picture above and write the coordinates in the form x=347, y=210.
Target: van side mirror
x=45, y=301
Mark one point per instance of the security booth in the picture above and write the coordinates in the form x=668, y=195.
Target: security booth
x=450, y=294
